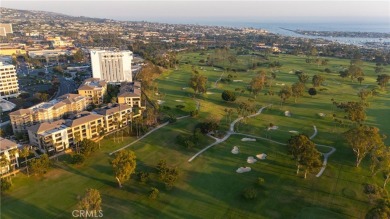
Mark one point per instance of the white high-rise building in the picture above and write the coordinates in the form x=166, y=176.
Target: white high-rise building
x=112, y=66
x=9, y=86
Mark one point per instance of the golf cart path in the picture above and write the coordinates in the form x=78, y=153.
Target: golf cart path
x=232, y=132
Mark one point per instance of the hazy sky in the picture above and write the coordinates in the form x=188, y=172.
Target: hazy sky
x=182, y=11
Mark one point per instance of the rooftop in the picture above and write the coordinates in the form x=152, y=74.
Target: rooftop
x=6, y=144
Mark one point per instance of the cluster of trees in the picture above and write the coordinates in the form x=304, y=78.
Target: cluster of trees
x=189, y=141
x=198, y=83
x=168, y=175
x=305, y=154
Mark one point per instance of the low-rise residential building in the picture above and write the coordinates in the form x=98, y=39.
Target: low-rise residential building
x=49, y=136
x=8, y=151
x=94, y=90
x=130, y=94
x=116, y=116
x=86, y=125
x=9, y=86
x=47, y=111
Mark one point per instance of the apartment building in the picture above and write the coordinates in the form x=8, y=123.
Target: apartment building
x=47, y=111
x=59, y=135
x=9, y=86
x=5, y=29
x=86, y=125
x=94, y=90
x=116, y=116
x=130, y=94
x=49, y=136
x=111, y=66
x=9, y=150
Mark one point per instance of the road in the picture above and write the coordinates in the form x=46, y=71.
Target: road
x=66, y=86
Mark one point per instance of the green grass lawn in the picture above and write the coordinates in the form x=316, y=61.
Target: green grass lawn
x=209, y=187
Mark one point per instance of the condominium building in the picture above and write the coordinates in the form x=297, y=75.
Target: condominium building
x=94, y=90
x=130, y=94
x=47, y=111
x=59, y=135
x=9, y=86
x=114, y=67
x=116, y=116
x=9, y=150
x=49, y=136
x=85, y=126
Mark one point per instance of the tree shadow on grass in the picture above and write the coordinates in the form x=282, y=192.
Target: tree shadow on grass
x=17, y=208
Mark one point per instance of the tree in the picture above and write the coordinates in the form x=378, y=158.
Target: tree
x=78, y=56
x=168, y=175
x=317, y=80
x=355, y=72
x=257, y=83
x=344, y=73
x=24, y=153
x=285, y=93
x=355, y=110
x=363, y=94
x=153, y=194
x=124, y=165
x=362, y=140
x=228, y=96
x=360, y=79
x=198, y=83
x=304, y=153
x=39, y=166
x=303, y=78
x=249, y=193
x=383, y=80
x=312, y=91
x=381, y=210
x=297, y=90
x=6, y=184
x=87, y=147
x=91, y=201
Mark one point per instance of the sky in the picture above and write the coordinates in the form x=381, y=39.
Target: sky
x=180, y=11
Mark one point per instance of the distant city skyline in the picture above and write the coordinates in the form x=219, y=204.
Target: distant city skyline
x=208, y=11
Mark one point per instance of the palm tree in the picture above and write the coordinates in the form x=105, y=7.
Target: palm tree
x=4, y=162
x=25, y=152
x=77, y=139
x=100, y=132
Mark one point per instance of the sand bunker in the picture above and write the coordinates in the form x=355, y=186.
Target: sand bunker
x=251, y=160
x=156, y=94
x=280, y=84
x=287, y=113
x=248, y=139
x=179, y=101
x=273, y=127
x=261, y=156
x=235, y=150
x=237, y=80
x=243, y=169
x=209, y=92
x=322, y=114
x=160, y=102
x=294, y=132
x=184, y=88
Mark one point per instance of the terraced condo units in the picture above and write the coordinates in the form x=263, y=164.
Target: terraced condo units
x=47, y=111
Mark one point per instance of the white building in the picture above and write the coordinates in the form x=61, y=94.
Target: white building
x=9, y=86
x=113, y=67
x=5, y=29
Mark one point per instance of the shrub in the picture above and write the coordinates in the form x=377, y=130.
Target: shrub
x=143, y=176
x=194, y=113
x=228, y=96
x=260, y=181
x=327, y=70
x=250, y=193
x=5, y=184
x=77, y=159
x=153, y=194
x=207, y=127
